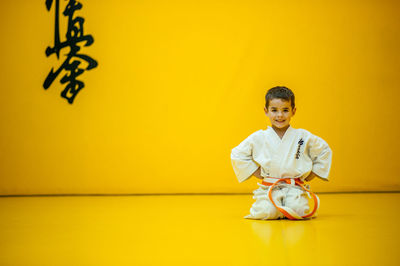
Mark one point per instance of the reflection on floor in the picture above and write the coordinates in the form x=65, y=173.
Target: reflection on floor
x=351, y=229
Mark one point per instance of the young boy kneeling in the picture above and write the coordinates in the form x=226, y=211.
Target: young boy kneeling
x=283, y=157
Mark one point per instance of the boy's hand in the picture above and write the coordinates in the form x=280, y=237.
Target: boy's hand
x=310, y=177
x=257, y=173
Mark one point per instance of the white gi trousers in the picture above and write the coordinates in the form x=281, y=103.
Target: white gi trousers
x=288, y=195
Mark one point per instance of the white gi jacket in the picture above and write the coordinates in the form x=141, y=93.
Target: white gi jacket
x=295, y=155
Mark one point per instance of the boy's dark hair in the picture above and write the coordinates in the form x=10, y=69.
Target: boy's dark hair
x=279, y=92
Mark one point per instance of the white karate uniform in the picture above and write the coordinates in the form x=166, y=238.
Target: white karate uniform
x=294, y=156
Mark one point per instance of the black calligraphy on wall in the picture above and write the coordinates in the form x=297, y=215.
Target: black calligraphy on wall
x=74, y=38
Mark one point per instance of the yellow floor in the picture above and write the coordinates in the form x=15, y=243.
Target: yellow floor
x=352, y=229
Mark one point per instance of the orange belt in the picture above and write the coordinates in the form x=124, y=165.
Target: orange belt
x=288, y=212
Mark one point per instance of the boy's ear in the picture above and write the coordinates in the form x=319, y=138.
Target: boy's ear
x=265, y=110
x=294, y=111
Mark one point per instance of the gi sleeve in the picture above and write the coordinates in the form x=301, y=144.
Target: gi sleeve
x=321, y=156
x=242, y=159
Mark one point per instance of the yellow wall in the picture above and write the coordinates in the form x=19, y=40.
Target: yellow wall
x=180, y=83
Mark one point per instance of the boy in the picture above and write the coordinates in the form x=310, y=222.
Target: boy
x=283, y=157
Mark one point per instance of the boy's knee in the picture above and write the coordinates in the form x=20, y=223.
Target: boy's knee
x=265, y=210
x=297, y=202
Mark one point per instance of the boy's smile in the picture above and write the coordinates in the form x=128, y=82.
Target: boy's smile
x=280, y=112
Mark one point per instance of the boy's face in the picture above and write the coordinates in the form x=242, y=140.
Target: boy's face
x=280, y=112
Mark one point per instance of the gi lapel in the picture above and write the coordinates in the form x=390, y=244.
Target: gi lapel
x=281, y=151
